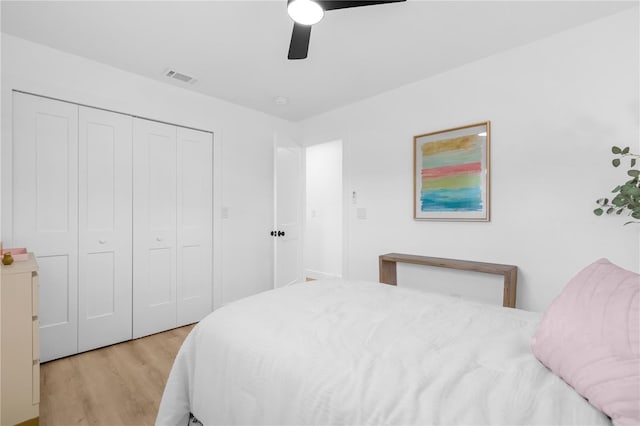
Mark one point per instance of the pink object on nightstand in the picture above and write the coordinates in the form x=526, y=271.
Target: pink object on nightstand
x=18, y=254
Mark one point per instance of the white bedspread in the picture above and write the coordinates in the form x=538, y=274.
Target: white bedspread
x=357, y=353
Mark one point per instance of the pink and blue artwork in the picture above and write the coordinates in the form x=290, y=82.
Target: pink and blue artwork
x=452, y=174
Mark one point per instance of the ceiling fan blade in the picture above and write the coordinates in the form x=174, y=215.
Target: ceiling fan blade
x=345, y=4
x=299, y=41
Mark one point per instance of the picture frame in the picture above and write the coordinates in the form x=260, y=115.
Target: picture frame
x=451, y=174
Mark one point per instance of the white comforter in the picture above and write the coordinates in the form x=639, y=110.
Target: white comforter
x=356, y=353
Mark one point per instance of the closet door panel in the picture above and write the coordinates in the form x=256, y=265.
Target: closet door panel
x=44, y=211
x=105, y=228
x=154, y=235
x=195, y=198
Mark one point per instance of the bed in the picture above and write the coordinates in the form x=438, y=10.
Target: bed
x=357, y=353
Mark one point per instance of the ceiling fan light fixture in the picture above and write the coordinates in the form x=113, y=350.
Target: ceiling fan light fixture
x=305, y=12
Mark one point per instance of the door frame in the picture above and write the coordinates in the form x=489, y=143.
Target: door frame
x=346, y=197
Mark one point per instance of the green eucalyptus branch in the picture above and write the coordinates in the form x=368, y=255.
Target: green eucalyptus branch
x=627, y=198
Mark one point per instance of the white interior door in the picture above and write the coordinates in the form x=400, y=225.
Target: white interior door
x=154, y=227
x=195, y=221
x=104, y=245
x=45, y=212
x=288, y=193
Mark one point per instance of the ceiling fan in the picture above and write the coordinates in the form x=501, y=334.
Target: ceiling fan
x=305, y=13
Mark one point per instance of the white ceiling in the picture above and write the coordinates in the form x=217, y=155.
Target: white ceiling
x=238, y=49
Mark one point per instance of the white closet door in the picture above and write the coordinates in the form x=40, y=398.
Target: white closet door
x=154, y=227
x=195, y=198
x=45, y=212
x=105, y=203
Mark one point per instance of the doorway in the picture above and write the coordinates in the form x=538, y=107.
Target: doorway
x=323, y=238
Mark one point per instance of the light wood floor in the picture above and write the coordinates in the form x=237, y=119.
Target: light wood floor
x=113, y=386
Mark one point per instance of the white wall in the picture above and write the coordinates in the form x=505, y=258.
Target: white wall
x=556, y=107
x=242, y=182
x=323, y=220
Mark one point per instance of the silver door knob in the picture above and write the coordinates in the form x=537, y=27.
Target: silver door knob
x=101, y=241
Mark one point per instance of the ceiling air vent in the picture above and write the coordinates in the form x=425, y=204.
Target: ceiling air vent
x=179, y=76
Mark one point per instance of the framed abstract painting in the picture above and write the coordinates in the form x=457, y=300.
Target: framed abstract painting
x=451, y=170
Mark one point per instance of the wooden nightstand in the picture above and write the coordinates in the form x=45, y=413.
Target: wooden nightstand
x=20, y=345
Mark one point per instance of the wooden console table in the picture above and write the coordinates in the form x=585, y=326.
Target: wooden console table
x=388, y=271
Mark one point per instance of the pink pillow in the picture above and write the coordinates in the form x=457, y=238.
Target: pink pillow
x=590, y=337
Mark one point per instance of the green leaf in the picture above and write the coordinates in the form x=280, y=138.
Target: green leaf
x=635, y=215
x=619, y=212
x=620, y=196
x=615, y=162
x=598, y=212
x=633, y=162
x=616, y=189
x=625, y=150
x=634, y=191
x=635, y=173
x=616, y=150
x=619, y=201
x=610, y=210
